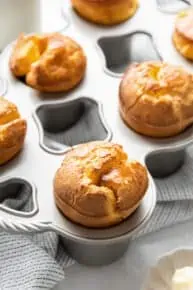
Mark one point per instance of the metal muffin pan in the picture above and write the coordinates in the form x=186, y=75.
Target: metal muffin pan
x=3, y=86
x=58, y=121
x=172, y=6
x=18, y=197
x=65, y=124
x=120, y=51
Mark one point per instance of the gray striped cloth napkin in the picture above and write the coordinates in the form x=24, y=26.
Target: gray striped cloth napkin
x=39, y=261
x=174, y=198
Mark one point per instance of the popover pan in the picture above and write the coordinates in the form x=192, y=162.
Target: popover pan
x=57, y=122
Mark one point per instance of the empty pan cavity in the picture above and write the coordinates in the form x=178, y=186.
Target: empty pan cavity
x=173, y=6
x=167, y=155
x=164, y=163
x=66, y=124
x=18, y=197
x=120, y=51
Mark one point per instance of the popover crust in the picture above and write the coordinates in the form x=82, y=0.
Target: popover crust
x=12, y=131
x=97, y=186
x=49, y=62
x=156, y=99
x=106, y=12
x=183, y=33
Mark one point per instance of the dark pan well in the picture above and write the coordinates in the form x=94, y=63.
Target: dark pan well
x=163, y=164
x=17, y=195
x=70, y=123
x=120, y=51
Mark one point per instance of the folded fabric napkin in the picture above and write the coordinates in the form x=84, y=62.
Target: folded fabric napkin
x=39, y=261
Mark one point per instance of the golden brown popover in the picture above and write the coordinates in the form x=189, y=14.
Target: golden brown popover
x=97, y=186
x=12, y=131
x=49, y=62
x=106, y=12
x=156, y=99
x=183, y=33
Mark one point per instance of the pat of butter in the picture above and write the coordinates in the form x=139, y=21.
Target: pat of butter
x=183, y=279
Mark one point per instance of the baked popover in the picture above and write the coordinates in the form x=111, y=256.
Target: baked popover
x=106, y=12
x=12, y=131
x=49, y=62
x=183, y=33
x=97, y=186
x=156, y=98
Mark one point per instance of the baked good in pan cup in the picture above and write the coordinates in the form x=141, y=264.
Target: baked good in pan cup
x=98, y=186
x=106, y=12
x=183, y=33
x=48, y=62
x=12, y=131
x=156, y=98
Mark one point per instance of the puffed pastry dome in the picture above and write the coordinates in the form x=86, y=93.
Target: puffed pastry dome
x=12, y=131
x=98, y=186
x=156, y=99
x=49, y=62
x=106, y=12
x=183, y=33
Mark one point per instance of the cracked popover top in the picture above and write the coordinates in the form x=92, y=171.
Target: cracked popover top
x=98, y=186
x=183, y=33
x=12, y=130
x=48, y=62
x=156, y=98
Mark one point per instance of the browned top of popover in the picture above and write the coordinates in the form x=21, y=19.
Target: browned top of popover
x=184, y=23
x=12, y=126
x=98, y=180
x=157, y=95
